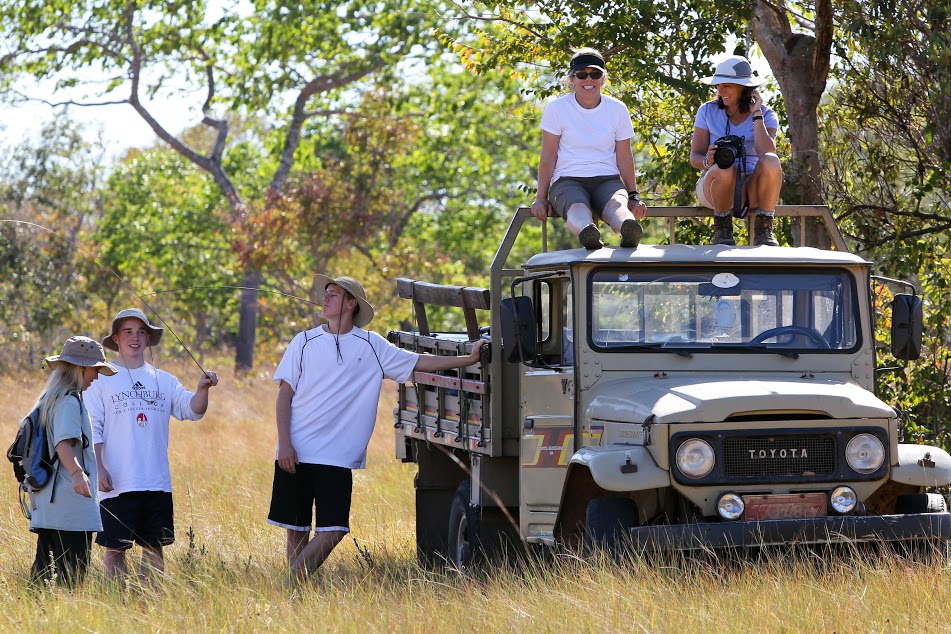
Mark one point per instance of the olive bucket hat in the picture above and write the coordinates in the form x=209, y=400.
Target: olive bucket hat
x=364, y=312
x=155, y=333
x=82, y=351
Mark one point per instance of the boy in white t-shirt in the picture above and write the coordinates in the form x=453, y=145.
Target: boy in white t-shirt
x=329, y=387
x=130, y=422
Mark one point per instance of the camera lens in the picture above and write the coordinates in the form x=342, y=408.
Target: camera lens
x=724, y=157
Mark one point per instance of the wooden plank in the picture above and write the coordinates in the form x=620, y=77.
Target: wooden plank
x=438, y=380
x=426, y=343
x=443, y=294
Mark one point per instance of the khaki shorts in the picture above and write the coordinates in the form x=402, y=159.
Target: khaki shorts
x=703, y=199
x=594, y=192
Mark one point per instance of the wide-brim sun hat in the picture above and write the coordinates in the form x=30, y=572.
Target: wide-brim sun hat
x=82, y=351
x=734, y=70
x=364, y=314
x=155, y=333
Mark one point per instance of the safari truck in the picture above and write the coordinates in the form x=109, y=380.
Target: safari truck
x=668, y=397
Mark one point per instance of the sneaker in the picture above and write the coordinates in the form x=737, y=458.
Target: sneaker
x=631, y=232
x=590, y=238
x=723, y=230
x=764, y=232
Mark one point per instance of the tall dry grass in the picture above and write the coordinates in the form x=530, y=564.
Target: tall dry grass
x=226, y=571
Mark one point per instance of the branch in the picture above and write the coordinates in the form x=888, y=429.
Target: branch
x=206, y=163
x=824, y=31
x=218, y=151
x=907, y=234
x=69, y=102
x=504, y=20
x=317, y=85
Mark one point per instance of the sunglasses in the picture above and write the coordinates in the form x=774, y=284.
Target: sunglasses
x=594, y=74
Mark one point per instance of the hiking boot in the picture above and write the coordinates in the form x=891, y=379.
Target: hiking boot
x=763, y=226
x=590, y=238
x=631, y=232
x=723, y=230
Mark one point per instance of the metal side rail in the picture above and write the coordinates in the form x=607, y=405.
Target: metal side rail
x=822, y=530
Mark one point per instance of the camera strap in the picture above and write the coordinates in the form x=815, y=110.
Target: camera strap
x=739, y=203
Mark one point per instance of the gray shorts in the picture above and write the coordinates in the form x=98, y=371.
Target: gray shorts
x=591, y=191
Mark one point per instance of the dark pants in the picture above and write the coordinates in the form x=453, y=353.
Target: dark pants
x=64, y=554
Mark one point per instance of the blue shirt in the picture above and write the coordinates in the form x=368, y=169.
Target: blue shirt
x=714, y=120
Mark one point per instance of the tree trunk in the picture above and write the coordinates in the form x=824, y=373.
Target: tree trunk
x=247, y=320
x=800, y=63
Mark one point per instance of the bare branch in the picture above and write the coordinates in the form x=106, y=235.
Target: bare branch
x=206, y=163
x=480, y=18
x=69, y=102
x=317, y=85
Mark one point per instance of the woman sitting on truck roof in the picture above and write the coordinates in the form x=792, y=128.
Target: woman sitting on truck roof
x=738, y=114
x=586, y=168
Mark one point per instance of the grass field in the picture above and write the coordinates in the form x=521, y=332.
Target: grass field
x=226, y=571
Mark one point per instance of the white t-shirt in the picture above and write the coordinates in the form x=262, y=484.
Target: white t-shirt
x=130, y=414
x=714, y=120
x=333, y=410
x=68, y=511
x=588, y=136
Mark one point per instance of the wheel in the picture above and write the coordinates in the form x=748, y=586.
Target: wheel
x=811, y=333
x=920, y=503
x=608, y=524
x=464, y=547
x=925, y=551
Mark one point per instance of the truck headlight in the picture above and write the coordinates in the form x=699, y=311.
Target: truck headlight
x=843, y=500
x=865, y=453
x=695, y=458
x=730, y=506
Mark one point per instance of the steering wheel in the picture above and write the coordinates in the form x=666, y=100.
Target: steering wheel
x=811, y=333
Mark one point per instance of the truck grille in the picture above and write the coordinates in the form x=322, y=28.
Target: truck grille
x=792, y=455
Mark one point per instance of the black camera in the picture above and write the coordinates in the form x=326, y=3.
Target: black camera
x=729, y=149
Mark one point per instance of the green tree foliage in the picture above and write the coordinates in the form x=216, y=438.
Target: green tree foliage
x=652, y=51
x=287, y=62
x=412, y=182
x=164, y=232
x=49, y=198
x=887, y=147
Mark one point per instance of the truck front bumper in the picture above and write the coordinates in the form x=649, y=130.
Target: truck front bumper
x=824, y=530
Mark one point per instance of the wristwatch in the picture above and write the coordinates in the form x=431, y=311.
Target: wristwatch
x=634, y=195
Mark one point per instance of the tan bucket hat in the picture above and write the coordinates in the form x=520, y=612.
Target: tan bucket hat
x=154, y=331
x=734, y=70
x=84, y=352
x=364, y=313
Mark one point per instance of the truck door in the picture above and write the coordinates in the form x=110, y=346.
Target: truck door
x=547, y=439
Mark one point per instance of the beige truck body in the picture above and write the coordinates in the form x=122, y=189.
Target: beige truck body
x=663, y=389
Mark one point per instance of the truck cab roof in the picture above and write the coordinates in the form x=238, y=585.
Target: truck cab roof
x=696, y=254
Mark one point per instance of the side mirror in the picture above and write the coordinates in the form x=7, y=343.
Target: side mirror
x=907, y=324
x=518, y=329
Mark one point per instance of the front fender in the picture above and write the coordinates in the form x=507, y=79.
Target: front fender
x=922, y=465
x=622, y=468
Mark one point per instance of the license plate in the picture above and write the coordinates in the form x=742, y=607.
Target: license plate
x=787, y=506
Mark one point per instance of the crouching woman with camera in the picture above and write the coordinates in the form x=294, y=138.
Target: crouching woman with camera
x=734, y=141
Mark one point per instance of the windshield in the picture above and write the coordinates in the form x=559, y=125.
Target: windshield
x=716, y=309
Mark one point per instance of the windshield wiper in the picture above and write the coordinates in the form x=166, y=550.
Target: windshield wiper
x=783, y=353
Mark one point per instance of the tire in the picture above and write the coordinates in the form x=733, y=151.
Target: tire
x=932, y=552
x=465, y=549
x=920, y=503
x=608, y=524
